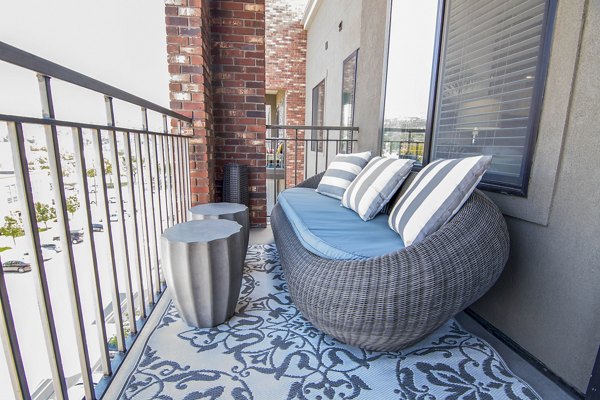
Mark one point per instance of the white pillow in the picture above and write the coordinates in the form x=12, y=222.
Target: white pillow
x=341, y=172
x=437, y=193
x=375, y=185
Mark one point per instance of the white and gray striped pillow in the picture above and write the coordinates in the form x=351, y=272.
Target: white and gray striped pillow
x=341, y=172
x=375, y=185
x=437, y=193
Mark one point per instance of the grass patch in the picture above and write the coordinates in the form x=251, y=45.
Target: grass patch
x=5, y=248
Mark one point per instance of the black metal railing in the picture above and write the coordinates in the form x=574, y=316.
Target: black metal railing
x=291, y=158
x=404, y=142
x=148, y=190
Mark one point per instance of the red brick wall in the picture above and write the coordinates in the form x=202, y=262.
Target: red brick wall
x=286, y=70
x=216, y=61
x=238, y=54
x=188, y=50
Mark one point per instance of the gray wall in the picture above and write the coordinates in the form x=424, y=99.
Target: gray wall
x=548, y=298
x=327, y=64
x=370, y=77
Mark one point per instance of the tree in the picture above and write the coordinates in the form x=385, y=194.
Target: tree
x=44, y=213
x=107, y=166
x=91, y=173
x=72, y=204
x=108, y=169
x=12, y=228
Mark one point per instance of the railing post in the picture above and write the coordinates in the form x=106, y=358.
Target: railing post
x=38, y=268
x=154, y=247
x=134, y=209
x=81, y=173
x=137, y=141
x=10, y=342
x=116, y=172
x=64, y=229
x=160, y=227
x=116, y=301
x=172, y=180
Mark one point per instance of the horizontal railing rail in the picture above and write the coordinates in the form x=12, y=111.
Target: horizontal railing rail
x=296, y=151
x=21, y=58
x=404, y=142
x=138, y=182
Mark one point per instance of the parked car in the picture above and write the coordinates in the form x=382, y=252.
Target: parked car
x=52, y=246
x=76, y=236
x=46, y=255
x=114, y=217
x=97, y=227
x=16, y=266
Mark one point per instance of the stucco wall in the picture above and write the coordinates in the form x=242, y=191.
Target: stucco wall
x=327, y=64
x=548, y=298
x=370, y=75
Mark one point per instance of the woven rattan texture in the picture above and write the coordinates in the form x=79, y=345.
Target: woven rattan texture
x=392, y=301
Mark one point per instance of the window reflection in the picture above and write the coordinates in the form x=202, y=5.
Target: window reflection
x=409, y=69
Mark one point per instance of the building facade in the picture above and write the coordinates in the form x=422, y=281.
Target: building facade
x=546, y=299
x=216, y=54
x=285, y=59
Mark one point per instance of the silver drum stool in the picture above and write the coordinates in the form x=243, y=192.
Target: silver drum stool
x=230, y=211
x=203, y=263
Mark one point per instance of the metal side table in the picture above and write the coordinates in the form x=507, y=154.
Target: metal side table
x=202, y=262
x=230, y=211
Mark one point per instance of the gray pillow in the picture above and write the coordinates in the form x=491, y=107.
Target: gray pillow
x=437, y=193
x=341, y=172
x=375, y=185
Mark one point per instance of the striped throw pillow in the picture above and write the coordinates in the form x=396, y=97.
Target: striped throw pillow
x=341, y=172
x=437, y=193
x=375, y=185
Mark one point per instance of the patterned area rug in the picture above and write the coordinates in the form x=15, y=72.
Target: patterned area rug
x=269, y=351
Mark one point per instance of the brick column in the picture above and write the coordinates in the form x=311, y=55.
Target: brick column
x=188, y=50
x=238, y=54
x=286, y=70
x=216, y=59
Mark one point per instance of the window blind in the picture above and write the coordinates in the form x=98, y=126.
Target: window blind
x=487, y=82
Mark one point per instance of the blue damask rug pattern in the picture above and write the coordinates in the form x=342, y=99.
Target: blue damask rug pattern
x=269, y=351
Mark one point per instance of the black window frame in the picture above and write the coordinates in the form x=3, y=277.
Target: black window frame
x=316, y=135
x=346, y=136
x=536, y=105
x=353, y=55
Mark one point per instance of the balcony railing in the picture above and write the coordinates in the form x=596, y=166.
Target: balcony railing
x=136, y=182
x=296, y=152
x=404, y=142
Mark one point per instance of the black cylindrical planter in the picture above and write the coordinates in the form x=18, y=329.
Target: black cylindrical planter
x=235, y=184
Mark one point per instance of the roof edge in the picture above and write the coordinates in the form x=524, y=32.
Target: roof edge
x=309, y=13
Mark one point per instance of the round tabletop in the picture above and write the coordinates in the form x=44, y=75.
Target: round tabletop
x=218, y=208
x=201, y=231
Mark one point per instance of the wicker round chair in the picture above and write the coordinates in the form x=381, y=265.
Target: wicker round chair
x=389, y=302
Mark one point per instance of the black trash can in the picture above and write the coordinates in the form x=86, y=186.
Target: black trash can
x=235, y=184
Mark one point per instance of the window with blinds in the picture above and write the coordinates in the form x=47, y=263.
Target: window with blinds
x=489, y=85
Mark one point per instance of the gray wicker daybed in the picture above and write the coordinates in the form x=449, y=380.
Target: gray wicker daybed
x=390, y=302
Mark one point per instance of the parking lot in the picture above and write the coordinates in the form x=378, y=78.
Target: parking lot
x=23, y=297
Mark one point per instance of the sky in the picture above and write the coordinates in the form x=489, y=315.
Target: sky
x=119, y=42
x=407, y=92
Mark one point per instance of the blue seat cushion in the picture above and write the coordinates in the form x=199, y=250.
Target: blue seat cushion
x=329, y=230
